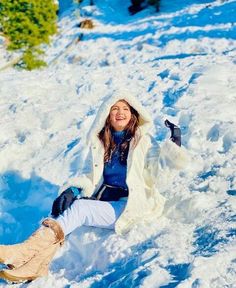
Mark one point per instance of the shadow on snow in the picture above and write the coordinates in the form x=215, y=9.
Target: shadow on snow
x=130, y=271
x=24, y=202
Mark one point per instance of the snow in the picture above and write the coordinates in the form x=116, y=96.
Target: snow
x=180, y=63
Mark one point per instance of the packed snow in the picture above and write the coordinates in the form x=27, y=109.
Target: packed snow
x=180, y=63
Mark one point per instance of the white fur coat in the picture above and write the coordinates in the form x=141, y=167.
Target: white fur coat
x=143, y=163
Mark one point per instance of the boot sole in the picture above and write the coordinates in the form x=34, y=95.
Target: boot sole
x=14, y=279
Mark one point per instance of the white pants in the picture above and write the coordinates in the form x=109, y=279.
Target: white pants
x=90, y=213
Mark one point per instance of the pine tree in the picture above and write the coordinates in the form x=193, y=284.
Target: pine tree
x=27, y=24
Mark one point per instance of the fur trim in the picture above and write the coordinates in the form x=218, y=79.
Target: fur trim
x=56, y=228
x=173, y=156
x=82, y=182
x=145, y=118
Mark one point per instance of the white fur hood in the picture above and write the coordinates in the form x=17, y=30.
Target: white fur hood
x=145, y=120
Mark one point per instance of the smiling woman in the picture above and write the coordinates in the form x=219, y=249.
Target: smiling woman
x=119, y=190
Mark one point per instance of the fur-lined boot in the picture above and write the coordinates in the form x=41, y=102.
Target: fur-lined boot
x=34, y=268
x=14, y=256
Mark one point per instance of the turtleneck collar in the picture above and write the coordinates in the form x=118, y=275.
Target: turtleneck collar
x=118, y=136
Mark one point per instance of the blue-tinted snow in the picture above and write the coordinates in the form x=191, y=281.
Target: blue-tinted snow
x=180, y=63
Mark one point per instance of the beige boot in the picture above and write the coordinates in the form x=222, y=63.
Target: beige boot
x=14, y=256
x=34, y=268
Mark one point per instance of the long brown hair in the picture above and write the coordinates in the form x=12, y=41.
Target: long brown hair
x=105, y=135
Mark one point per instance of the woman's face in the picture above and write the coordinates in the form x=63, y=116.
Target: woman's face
x=120, y=115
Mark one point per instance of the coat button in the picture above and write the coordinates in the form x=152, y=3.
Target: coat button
x=96, y=165
x=94, y=147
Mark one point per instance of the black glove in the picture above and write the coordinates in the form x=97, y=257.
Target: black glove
x=175, y=132
x=63, y=201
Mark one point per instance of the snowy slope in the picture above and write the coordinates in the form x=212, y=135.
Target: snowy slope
x=181, y=64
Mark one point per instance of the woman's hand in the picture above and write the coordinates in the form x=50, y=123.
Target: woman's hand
x=175, y=132
x=62, y=202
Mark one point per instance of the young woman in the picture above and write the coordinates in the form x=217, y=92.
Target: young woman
x=118, y=189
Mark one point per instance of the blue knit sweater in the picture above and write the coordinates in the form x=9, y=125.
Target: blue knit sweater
x=114, y=172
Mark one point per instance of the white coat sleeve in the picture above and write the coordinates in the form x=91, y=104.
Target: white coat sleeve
x=152, y=163
x=173, y=156
x=161, y=158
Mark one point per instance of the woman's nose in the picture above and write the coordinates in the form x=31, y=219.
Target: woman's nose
x=120, y=111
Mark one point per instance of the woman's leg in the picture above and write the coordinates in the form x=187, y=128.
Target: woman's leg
x=90, y=213
x=82, y=212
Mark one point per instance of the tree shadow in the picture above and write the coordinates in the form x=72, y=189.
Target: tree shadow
x=23, y=203
x=210, y=15
x=116, y=12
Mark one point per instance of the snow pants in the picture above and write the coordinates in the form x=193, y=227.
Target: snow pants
x=94, y=213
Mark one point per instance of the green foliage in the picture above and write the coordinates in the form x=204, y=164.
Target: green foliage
x=30, y=60
x=27, y=24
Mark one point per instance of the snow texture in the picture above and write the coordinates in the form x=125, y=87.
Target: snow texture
x=180, y=63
